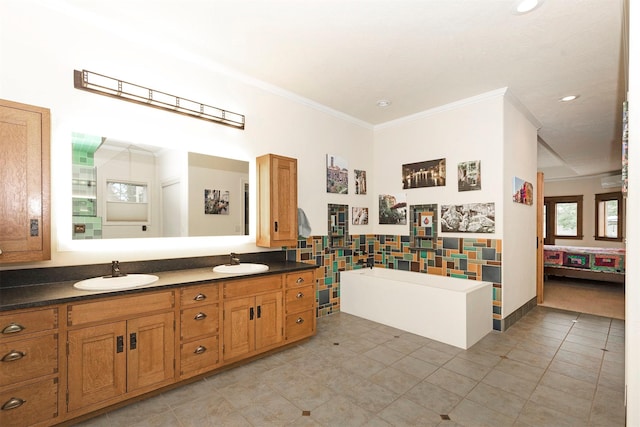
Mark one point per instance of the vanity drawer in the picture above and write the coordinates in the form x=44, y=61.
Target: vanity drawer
x=30, y=404
x=199, y=356
x=28, y=358
x=298, y=299
x=26, y=322
x=199, y=321
x=302, y=278
x=119, y=308
x=242, y=288
x=199, y=294
x=300, y=325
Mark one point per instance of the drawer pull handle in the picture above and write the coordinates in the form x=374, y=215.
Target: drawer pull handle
x=299, y=295
x=201, y=349
x=12, y=329
x=200, y=316
x=13, y=355
x=13, y=403
x=200, y=297
x=300, y=320
x=300, y=280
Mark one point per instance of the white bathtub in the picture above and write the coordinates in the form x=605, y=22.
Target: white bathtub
x=450, y=310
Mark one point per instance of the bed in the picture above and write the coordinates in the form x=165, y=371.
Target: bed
x=606, y=264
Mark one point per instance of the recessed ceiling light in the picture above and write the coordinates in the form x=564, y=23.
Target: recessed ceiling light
x=383, y=103
x=526, y=6
x=569, y=98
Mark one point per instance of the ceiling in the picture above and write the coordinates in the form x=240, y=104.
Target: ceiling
x=419, y=54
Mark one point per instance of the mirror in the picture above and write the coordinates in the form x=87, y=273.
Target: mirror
x=126, y=190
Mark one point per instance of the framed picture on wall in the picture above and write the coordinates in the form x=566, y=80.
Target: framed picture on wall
x=337, y=175
x=431, y=173
x=468, y=218
x=359, y=216
x=361, y=181
x=392, y=209
x=522, y=191
x=469, y=176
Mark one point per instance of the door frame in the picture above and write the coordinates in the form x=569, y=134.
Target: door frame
x=540, y=238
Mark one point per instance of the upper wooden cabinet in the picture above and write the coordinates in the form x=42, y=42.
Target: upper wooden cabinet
x=277, y=214
x=24, y=173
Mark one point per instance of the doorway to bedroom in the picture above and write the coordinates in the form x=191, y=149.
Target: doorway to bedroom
x=581, y=254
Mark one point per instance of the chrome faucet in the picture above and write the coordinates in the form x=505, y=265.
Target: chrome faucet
x=233, y=259
x=115, y=269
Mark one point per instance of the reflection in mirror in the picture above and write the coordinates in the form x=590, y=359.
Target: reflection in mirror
x=126, y=190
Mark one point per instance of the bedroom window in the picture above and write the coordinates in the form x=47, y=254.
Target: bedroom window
x=609, y=216
x=563, y=218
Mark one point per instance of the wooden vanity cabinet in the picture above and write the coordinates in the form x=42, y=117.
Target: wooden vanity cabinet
x=252, y=316
x=118, y=348
x=300, y=303
x=25, y=191
x=199, y=329
x=29, y=371
x=277, y=182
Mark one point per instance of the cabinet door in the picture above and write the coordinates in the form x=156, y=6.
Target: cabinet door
x=96, y=364
x=284, y=200
x=268, y=319
x=24, y=173
x=151, y=350
x=239, y=327
x=277, y=201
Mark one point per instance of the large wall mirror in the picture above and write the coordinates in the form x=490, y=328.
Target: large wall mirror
x=126, y=190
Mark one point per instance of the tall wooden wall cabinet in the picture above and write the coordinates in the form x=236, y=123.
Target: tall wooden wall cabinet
x=25, y=233
x=277, y=214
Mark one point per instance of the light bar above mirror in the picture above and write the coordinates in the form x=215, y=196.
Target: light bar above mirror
x=109, y=86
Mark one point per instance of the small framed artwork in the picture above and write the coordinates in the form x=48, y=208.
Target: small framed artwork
x=426, y=220
x=359, y=216
x=469, y=176
x=216, y=202
x=337, y=175
x=392, y=209
x=522, y=191
x=361, y=181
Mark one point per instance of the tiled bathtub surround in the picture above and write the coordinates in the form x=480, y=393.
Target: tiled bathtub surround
x=467, y=258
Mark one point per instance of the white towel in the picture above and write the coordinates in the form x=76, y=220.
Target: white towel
x=304, y=228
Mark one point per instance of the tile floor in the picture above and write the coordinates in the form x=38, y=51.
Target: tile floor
x=552, y=368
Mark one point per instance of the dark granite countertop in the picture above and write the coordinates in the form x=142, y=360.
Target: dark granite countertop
x=58, y=292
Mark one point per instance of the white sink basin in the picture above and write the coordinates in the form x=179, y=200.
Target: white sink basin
x=242, y=268
x=108, y=283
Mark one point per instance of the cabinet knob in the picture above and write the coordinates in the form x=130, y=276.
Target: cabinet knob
x=200, y=316
x=300, y=320
x=300, y=280
x=201, y=349
x=13, y=403
x=200, y=297
x=12, y=328
x=13, y=355
x=299, y=295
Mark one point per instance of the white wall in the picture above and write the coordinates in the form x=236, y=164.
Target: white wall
x=519, y=241
x=38, y=60
x=588, y=187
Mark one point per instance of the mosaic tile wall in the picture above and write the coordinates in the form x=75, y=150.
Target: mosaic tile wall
x=467, y=258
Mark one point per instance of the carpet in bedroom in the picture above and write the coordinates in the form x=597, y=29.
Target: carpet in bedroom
x=585, y=296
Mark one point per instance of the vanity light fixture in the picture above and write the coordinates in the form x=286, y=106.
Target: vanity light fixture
x=108, y=86
x=569, y=98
